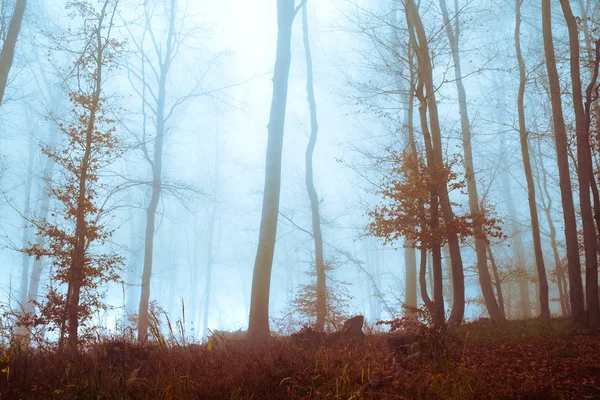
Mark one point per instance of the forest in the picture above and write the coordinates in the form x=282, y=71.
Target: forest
x=299, y=199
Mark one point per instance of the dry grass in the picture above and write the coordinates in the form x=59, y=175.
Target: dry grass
x=513, y=360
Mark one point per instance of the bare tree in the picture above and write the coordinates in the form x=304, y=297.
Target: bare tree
x=485, y=281
x=523, y=134
x=584, y=165
x=562, y=158
x=157, y=53
x=258, y=323
x=310, y=185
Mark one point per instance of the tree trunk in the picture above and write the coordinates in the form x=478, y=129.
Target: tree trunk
x=310, y=186
x=485, y=281
x=535, y=224
x=25, y=259
x=258, y=323
x=498, y=281
x=10, y=43
x=524, y=308
x=210, y=256
x=410, y=252
x=546, y=200
x=423, y=281
x=426, y=79
x=584, y=167
x=156, y=167
x=410, y=264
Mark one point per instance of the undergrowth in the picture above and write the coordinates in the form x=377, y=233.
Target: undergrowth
x=531, y=359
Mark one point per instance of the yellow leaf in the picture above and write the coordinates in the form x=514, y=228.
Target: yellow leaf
x=209, y=346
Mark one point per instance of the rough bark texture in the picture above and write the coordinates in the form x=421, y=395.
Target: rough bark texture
x=258, y=324
x=310, y=185
x=584, y=168
x=10, y=43
x=485, y=280
x=535, y=224
x=562, y=158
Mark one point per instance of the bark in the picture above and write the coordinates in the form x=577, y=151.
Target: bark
x=410, y=262
x=497, y=280
x=75, y=279
x=584, y=168
x=562, y=158
x=258, y=324
x=25, y=259
x=535, y=224
x=485, y=280
x=10, y=43
x=310, y=186
x=546, y=206
x=410, y=252
x=423, y=281
x=433, y=144
x=524, y=309
x=156, y=167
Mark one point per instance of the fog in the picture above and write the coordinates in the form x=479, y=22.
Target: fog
x=218, y=94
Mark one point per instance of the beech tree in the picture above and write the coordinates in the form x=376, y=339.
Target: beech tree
x=562, y=159
x=89, y=145
x=310, y=185
x=453, y=33
x=584, y=164
x=157, y=52
x=258, y=323
x=523, y=136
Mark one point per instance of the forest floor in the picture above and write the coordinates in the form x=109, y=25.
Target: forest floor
x=514, y=360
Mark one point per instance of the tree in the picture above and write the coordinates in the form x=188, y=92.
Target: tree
x=90, y=145
x=310, y=185
x=7, y=54
x=480, y=241
x=523, y=134
x=157, y=53
x=433, y=144
x=584, y=165
x=258, y=323
x=404, y=191
x=562, y=159
x=546, y=206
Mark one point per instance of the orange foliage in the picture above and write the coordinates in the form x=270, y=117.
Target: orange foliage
x=407, y=191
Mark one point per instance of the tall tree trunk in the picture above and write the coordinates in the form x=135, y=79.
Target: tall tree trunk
x=562, y=157
x=310, y=186
x=258, y=324
x=10, y=43
x=210, y=256
x=546, y=205
x=423, y=281
x=535, y=224
x=426, y=79
x=410, y=252
x=156, y=167
x=25, y=259
x=439, y=193
x=584, y=168
x=485, y=281
x=524, y=308
x=497, y=280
